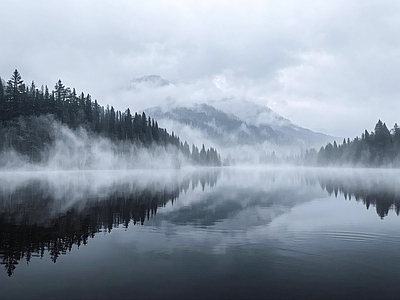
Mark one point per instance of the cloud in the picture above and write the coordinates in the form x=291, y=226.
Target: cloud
x=341, y=58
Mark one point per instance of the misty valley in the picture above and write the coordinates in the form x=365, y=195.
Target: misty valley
x=200, y=233
x=101, y=203
x=173, y=149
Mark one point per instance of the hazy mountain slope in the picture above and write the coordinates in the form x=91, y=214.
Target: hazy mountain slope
x=250, y=112
x=226, y=122
x=254, y=126
x=261, y=116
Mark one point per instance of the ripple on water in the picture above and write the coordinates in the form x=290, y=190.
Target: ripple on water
x=357, y=236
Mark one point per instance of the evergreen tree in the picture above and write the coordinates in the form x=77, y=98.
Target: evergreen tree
x=396, y=136
x=203, y=155
x=382, y=146
x=13, y=95
x=143, y=129
x=2, y=101
x=186, y=149
x=111, y=123
x=88, y=108
x=154, y=128
x=128, y=125
x=149, y=132
x=195, y=154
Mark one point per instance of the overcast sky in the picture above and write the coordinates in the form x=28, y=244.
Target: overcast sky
x=331, y=66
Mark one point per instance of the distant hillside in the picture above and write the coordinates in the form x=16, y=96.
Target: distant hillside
x=240, y=123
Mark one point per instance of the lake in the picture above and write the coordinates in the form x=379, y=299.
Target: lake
x=200, y=233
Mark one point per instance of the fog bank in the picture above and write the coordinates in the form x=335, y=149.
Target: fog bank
x=42, y=143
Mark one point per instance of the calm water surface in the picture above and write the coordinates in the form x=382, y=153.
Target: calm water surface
x=211, y=233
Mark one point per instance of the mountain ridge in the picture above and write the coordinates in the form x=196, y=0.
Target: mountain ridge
x=228, y=129
x=224, y=121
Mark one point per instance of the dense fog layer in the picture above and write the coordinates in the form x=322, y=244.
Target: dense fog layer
x=64, y=149
x=237, y=153
x=43, y=194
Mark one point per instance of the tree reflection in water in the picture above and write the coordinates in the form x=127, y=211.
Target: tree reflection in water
x=30, y=225
x=381, y=190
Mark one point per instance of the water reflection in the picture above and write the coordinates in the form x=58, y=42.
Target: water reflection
x=52, y=212
x=379, y=188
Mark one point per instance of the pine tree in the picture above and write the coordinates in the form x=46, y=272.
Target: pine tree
x=128, y=125
x=396, y=136
x=59, y=97
x=149, y=132
x=2, y=101
x=154, y=129
x=382, y=143
x=96, y=117
x=143, y=128
x=32, y=107
x=195, y=154
x=13, y=95
x=88, y=108
x=111, y=123
x=203, y=155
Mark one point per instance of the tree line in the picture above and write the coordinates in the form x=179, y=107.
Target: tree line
x=377, y=148
x=79, y=110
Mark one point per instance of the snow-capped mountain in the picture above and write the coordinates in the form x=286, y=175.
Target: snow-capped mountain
x=239, y=123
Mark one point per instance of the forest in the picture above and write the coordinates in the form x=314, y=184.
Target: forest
x=379, y=148
x=21, y=104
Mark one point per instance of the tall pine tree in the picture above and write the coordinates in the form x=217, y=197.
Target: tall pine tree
x=13, y=95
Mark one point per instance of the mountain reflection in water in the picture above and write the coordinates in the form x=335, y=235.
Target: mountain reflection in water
x=210, y=233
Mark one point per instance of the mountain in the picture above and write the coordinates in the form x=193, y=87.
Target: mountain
x=231, y=123
x=149, y=81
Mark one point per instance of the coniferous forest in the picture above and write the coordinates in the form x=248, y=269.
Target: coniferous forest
x=379, y=148
x=22, y=104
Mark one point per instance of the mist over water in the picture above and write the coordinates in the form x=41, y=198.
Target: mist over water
x=285, y=232
x=65, y=189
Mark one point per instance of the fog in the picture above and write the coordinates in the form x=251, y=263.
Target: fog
x=45, y=144
x=240, y=204
x=237, y=102
x=67, y=149
x=277, y=222
x=282, y=208
x=265, y=153
x=36, y=197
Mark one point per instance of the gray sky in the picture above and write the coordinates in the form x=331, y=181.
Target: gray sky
x=331, y=66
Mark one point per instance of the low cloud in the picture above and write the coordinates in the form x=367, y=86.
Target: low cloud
x=341, y=54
